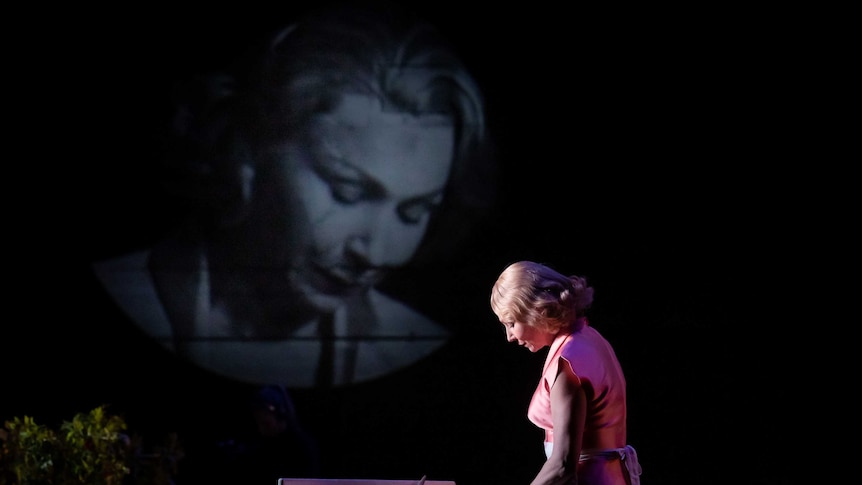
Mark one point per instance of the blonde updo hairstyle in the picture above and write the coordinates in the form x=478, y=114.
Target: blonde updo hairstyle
x=536, y=295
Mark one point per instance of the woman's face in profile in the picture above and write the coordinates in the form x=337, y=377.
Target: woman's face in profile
x=359, y=191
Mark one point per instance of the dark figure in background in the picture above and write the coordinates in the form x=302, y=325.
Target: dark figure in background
x=580, y=401
x=272, y=444
x=340, y=157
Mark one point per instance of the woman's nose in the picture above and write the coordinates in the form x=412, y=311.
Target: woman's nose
x=385, y=241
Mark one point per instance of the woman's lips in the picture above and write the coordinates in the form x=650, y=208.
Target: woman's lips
x=339, y=279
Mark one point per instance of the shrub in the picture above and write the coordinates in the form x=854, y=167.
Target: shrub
x=92, y=448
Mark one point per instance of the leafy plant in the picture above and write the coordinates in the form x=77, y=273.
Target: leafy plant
x=28, y=453
x=92, y=448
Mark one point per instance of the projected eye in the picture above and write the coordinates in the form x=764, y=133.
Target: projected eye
x=418, y=210
x=347, y=185
x=347, y=192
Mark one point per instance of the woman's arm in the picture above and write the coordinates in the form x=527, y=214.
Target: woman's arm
x=568, y=411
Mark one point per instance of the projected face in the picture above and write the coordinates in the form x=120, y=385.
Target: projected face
x=360, y=191
x=317, y=175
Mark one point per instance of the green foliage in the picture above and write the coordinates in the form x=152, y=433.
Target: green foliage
x=28, y=453
x=92, y=449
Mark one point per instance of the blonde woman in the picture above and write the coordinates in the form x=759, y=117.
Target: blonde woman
x=580, y=401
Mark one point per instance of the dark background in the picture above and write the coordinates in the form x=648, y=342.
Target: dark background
x=639, y=148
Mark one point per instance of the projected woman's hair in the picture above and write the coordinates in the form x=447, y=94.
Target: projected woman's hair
x=332, y=159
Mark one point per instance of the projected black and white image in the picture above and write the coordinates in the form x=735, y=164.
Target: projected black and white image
x=342, y=153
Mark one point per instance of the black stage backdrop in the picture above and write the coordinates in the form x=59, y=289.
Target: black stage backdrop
x=631, y=146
